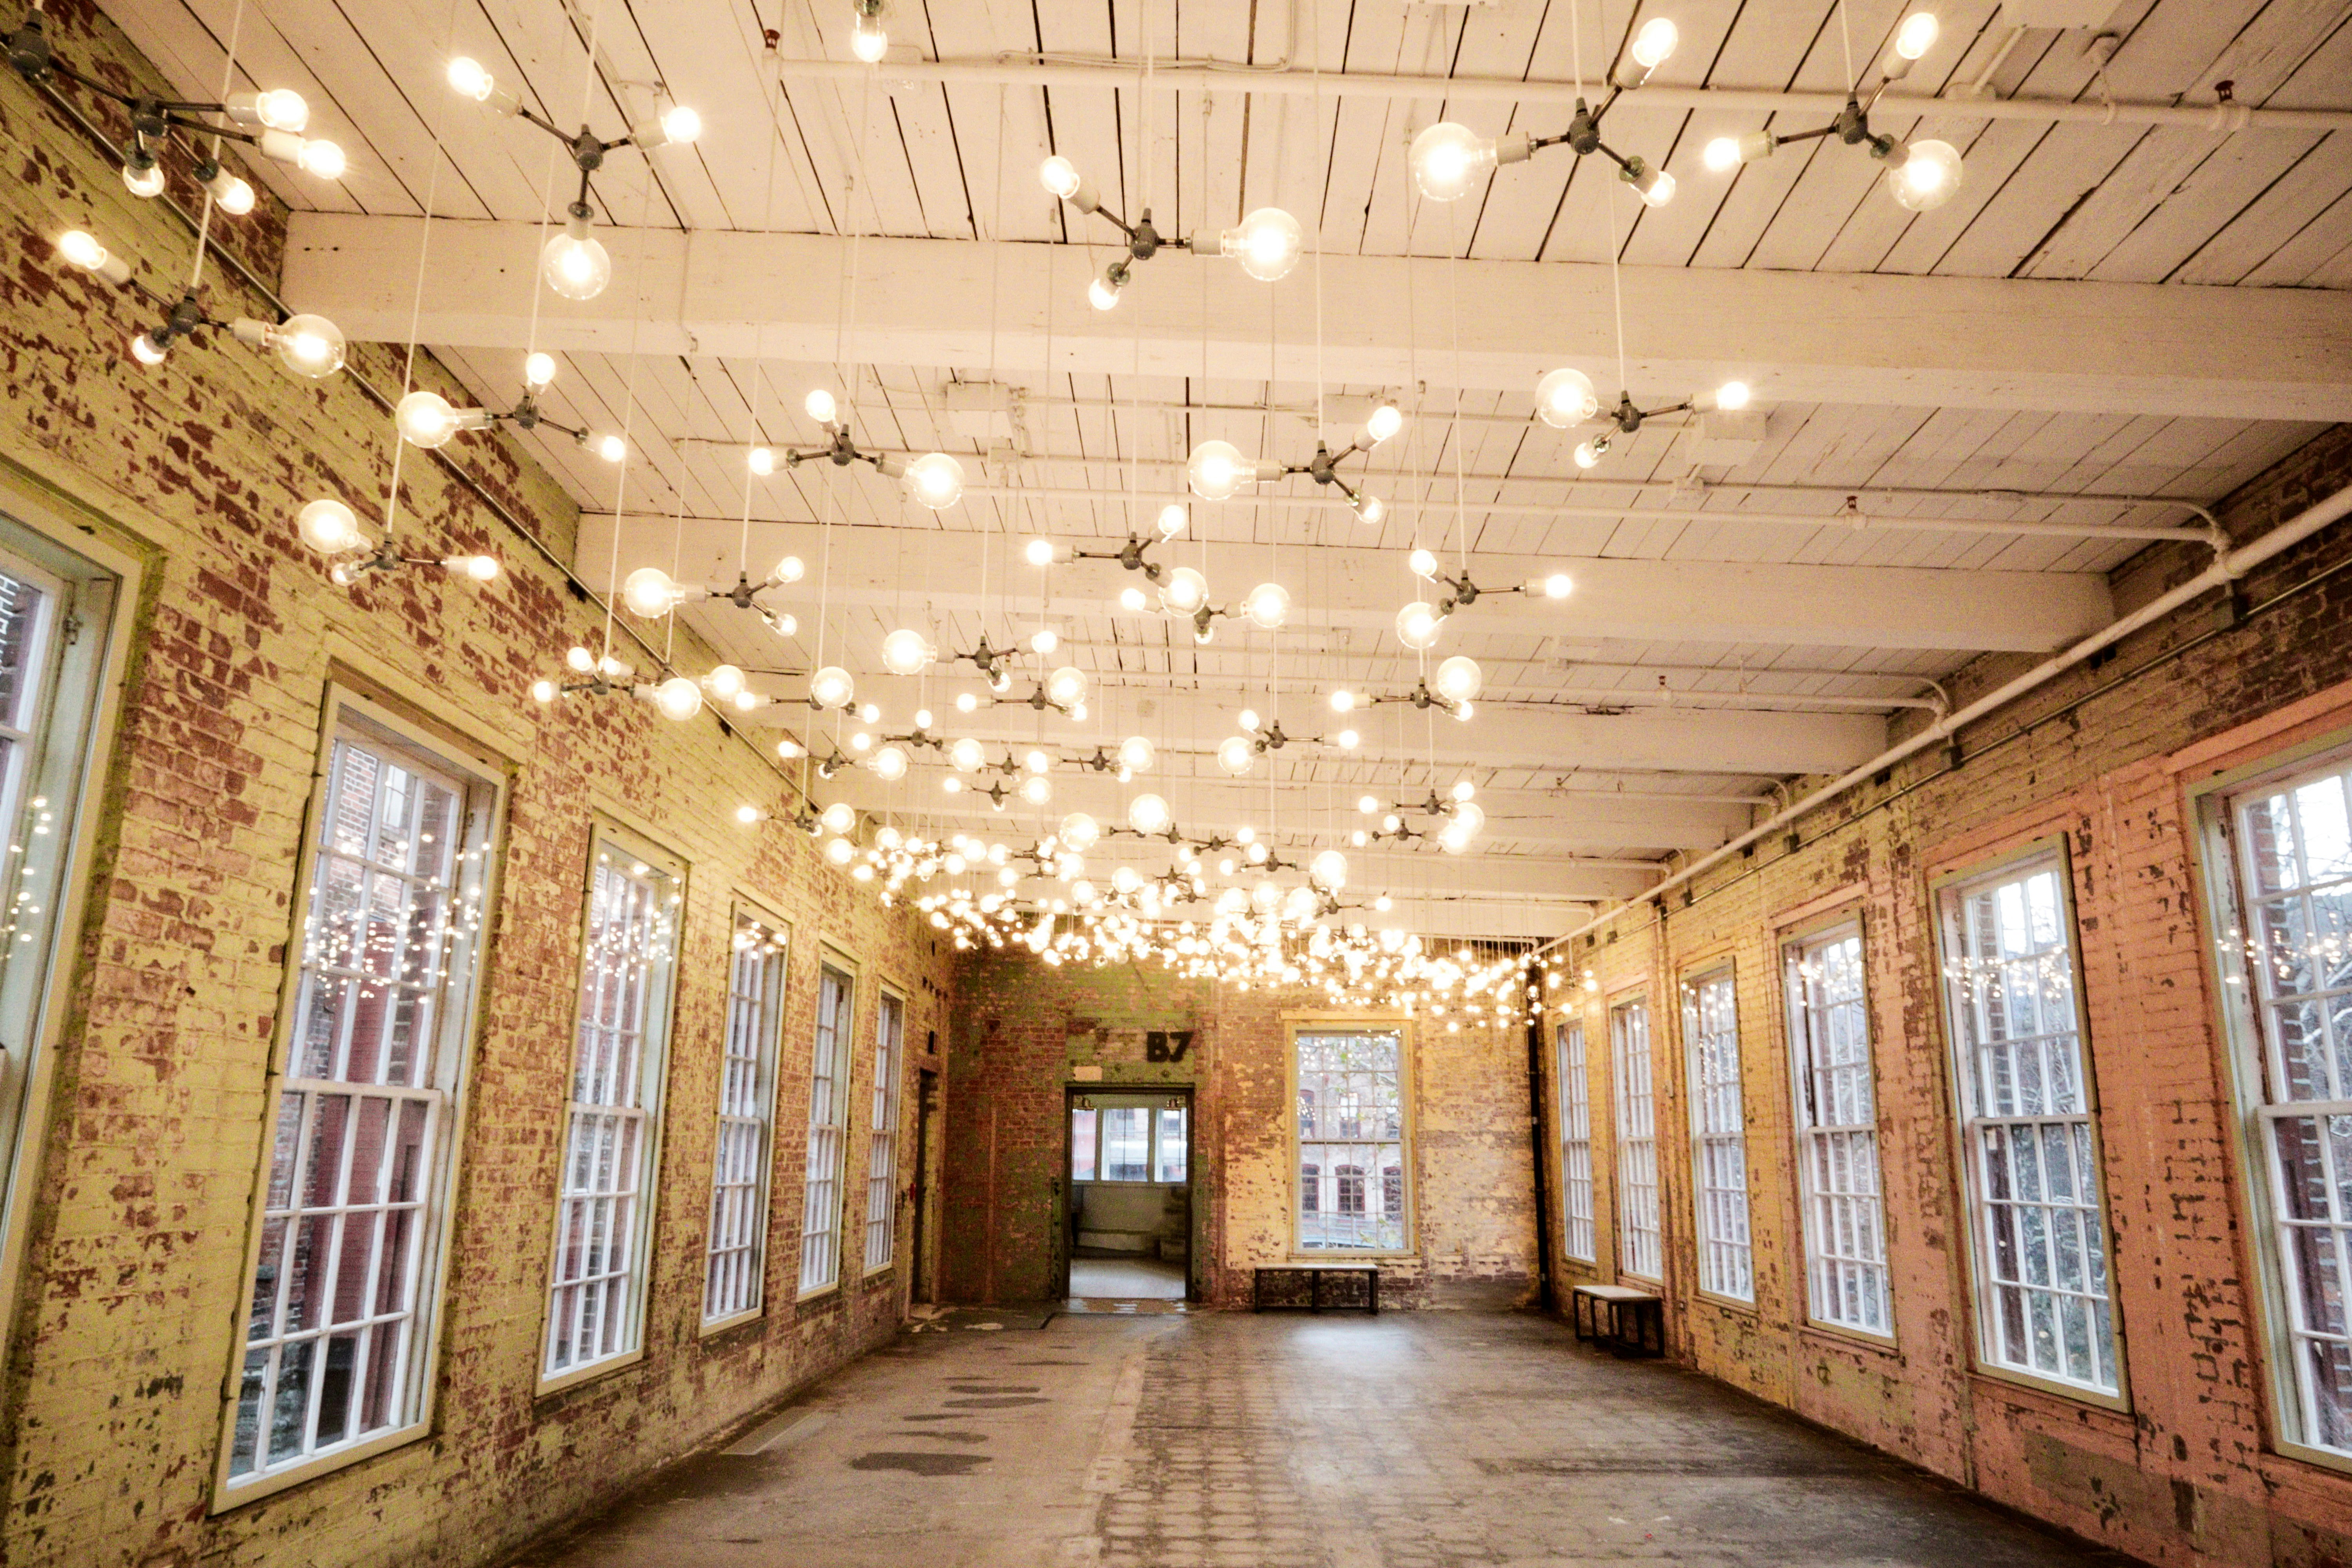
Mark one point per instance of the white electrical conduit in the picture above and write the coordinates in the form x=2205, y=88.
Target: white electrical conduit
x=2224, y=571
x=1121, y=76
x=1860, y=522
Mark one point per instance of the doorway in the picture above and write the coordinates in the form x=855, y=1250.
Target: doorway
x=1127, y=1235
x=925, y=1285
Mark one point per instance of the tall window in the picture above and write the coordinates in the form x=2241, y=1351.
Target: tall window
x=1575, y=1140
x=828, y=1130
x=2040, y=1244
x=1352, y=1149
x=1837, y=1134
x=882, y=1154
x=1637, y=1142
x=747, y=1101
x=604, y=1210
x=2292, y=843
x=342, y=1300
x=1726, y=1262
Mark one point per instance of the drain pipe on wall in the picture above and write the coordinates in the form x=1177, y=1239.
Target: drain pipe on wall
x=2226, y=569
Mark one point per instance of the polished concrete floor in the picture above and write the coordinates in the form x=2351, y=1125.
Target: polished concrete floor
x=1288, y=1441
x=1125, y=1277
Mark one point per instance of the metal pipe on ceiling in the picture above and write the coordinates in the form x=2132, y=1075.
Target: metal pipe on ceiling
x=2220, y=118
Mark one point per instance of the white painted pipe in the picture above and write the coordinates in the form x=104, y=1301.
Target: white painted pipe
x=2220, y=118
x=2224, y=571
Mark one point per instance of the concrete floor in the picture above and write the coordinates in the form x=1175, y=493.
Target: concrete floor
x=1288, y=1441
x=1125, y=1277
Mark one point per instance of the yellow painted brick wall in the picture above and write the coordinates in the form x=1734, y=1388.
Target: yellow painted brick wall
x=128, y=1311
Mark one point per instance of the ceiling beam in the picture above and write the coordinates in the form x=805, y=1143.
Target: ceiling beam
x=1910, y=342
x=1362, y=589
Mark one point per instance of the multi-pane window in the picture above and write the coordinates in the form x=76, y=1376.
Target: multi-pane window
x=2293, y=847
x=1837, y=1134
x=828, y=1130
x=339, y=1307
x=1639, y=1249
x=1727, y=1260
x=737, y=1247
x=2040, y=1241
x=1127, y=1138
x=603, y=1209
x=1575, y=1140
x=882, y=1153
x=1350, y=1110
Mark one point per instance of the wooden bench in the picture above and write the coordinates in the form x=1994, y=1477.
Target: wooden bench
x=1619, y=1318
x=1287, y=1279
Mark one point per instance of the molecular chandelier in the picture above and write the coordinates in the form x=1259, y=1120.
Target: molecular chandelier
x=1267, y=243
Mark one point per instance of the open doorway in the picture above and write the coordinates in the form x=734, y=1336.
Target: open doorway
x=1131, y=1210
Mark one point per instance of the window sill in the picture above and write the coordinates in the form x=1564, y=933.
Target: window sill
x=818, y=1296
x=1829, y=1336
x=549, y=1386
x=714, y=1327
x=880, y=1269
x=1335, y=1255
x=2328, y=1459
x=227, y=1498
x=1731, y=1305
x=2007, y=1382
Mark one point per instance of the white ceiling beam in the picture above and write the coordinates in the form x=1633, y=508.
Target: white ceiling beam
x=1363, y=589
x=1909, y=341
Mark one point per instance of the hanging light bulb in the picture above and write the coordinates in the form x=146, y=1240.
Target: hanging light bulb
x=1928, y=178
x=1458, y=679
x=679, y=698
x=1171, y=520
x=1329, y=870
x=275, y=108
x=323, y=159
x=1133, y=600
x=1468, y=817
x=832, y=688
x=231, y=195
x=1217, y=469
x=1726, y=154
x=966, y=702
x=966, y=755
x=651, y=592
x=1185, y=591
x=1044, y=641
x=1037, y=789
x=868, y=39
x=470, y=78
x=1423, y=563
x=1060, y=176
x=79, y=250
x=1267, y=606
x=1368, y=508
x=1417, y=625
x=1917, y=35
x=1237, y=755
x=1266, y=243
x=1654, y=42
x=935, y=481
x=1247, y=719
x=1103, y=292
x=763, y=460
x=610, y=448
x=308, y=347
x=1147, y=815
x=1369, y=804
x=908, y=652
x=142, y=176
x=538, y=371
x=1135, y=754
x=1384, y=421
x=1731, y=397
x=1463, y=790
x=329, y=527
x=1655, y=185
x=1588, y=453
x=1558, y=585
x=820, y=406
x=838, y=818
x=1066, y=687
x=1447, y=158
x=575, y=263
x=1080, y=832
x=1565, y=397
x=424, y=418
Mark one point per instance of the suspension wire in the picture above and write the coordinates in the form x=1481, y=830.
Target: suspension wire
x=415, y=301
x=771, y=93
x=228, y=79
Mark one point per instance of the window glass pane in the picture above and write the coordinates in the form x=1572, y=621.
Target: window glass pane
x=1637, y=1142
x=599, y=1257
x=1837, y=1135
x=1082, y=1144
x=1719, y=1139
x=1351, y=1141
x=829, y=1145
x=352, y=1200
x=738, y=1233
x=882, y=1148
x=1575, y=1140
x=2294, y=851
x=1127, y=1144
x=1170, y=1149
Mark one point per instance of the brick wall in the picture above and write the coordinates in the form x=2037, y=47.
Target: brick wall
x=127, y=1310
x=1023, y=1033
x=2103, y=759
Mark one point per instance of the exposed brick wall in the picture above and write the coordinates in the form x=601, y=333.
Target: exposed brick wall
x=1022, y=1028
x=126, y=1312
x=2104, y=762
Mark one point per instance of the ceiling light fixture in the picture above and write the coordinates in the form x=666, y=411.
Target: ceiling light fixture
x=1267, y=243
x=1625, y=418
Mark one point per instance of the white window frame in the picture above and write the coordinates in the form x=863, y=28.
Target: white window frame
x=1578, y=1239
x=824, y=1181
x=628, y=1202
x=2263, y=1095
x=1833, y=1142
x=2017, y=1270
x=742, y=1154
x=415, y=1319
x=1375, y=1188
x=1159, y=1103
x=1719, y=1127
x=83, y=702
x=882, y=1140
x=1641, y=1230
